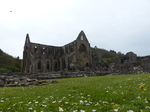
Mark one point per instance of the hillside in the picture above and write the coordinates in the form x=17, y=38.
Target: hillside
x=9, y=63
x=105, y=55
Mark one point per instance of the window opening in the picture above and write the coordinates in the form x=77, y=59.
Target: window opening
x=35, y=49
x=47, y=64
x=81, y=37
x=39, y=65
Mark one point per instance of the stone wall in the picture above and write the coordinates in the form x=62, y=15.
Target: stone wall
x=40, y=58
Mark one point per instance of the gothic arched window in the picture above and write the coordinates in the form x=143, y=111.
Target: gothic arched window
x=82, y=48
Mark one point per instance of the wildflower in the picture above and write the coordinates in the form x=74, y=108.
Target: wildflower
x=34, y=111
x=26, y=104
x=30, y=108
x=44, y=105
x=147, y=107
x=51, y=97
x=130, y=111
x=105, y=102
x=141, y=110
x=97, y=104
x=139, y=97
x=43, y=102
x=60, y=101
x=82, y=111
x=14, y=104
x=46, y=98
x=66, y=102
x=75, y=104
x=115, y=105
x=61, y=109
x=72, y=90
x=63, y=97
x=7, y=98
x=75, y=110
x=87, y=104
x=93, y=110
x=81, y=102
x=116, y=110
x=53, y=101
x=90, y=102
x=141, y=86
x=2, y=101
x=36, y=102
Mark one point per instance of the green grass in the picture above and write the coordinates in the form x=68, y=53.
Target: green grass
x=101, y=94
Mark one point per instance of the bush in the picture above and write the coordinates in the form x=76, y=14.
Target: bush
x=3, y=70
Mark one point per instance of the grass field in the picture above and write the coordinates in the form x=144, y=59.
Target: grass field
x=120, y=93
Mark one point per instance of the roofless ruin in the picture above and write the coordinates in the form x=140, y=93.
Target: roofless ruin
x=40, y=58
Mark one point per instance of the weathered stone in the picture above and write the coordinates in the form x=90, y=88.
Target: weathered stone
x=12, y=85
x=39, y=58
x=11, y=81
x=31, y=80
x=2, y=84
x=1, y=81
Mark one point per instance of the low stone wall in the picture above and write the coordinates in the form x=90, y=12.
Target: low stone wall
x=55, y=75
x=13, y=81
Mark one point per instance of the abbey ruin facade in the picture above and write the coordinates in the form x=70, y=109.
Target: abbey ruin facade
x=40, y=58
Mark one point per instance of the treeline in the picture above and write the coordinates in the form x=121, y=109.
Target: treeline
x=9, y=63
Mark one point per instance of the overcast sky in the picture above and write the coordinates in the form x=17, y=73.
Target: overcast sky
x=120, y=25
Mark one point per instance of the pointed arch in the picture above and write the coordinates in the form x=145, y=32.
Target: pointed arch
x=82, y=48
x=27, y=38
x=82, y=36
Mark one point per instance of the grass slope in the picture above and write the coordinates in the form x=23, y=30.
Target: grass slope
x=122, y=93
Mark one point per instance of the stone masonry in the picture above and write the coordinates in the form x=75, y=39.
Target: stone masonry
x=39, y=58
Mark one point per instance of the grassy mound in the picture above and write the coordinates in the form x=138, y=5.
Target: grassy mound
x=122, y=93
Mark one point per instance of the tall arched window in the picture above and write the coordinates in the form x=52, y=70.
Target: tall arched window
x=82, y=48
x=47, y=65
x=39, y=64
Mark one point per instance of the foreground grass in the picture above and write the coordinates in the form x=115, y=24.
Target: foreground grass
x=122, y=93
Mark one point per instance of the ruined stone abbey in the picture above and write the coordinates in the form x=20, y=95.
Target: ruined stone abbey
x=39, y=58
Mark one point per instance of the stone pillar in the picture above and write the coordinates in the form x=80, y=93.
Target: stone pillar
x=66, y=61
x=60, y=64
x=52, y=65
